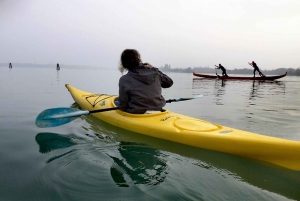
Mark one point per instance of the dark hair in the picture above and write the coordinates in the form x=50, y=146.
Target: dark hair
x=130, y=58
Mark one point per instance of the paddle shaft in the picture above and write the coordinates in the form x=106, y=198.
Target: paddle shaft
x=103, y=110
x=178, y=99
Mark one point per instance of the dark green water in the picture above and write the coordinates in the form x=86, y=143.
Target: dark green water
x=88, y=159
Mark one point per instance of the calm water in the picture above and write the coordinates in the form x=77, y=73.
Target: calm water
x=88, y=159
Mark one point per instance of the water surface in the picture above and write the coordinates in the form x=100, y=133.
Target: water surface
x=88, y=159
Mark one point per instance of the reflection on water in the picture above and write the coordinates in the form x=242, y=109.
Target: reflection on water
x=50, y=141
x=57, y=76
x=131, y=162
x=267, y=88
x=253, y=92
x=223, y=83
x=149, y=169
x=219, y=90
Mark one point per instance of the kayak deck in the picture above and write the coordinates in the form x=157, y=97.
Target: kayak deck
x=193, y=132
x=239, y=78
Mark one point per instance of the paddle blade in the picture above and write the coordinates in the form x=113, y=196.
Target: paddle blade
x=57, y=116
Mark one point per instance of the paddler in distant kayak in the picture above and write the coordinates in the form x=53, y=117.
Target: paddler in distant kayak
x=222, y=68
x=253, y=64
x=140, y=89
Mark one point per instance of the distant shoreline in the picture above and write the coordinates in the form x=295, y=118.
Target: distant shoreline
x=278, y=71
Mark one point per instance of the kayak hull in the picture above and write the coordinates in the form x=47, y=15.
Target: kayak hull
x=239, y=78
x=193, y=132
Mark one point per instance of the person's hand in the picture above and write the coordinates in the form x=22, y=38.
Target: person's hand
x=148, y=65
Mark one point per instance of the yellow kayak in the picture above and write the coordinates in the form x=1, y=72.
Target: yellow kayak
x=194, y=132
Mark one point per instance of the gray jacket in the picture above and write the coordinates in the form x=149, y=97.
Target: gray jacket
x=140, y=90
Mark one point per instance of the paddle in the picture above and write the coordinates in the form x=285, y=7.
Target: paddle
x=183, y=99
x=59, y=116
x=216, y=70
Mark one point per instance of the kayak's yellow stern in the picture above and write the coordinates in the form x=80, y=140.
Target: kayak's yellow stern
x=194, y=132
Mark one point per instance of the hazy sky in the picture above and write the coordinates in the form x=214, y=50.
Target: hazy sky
x=183, y=33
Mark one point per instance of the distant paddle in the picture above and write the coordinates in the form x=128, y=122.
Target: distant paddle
x=216, y=70
x=59, y=116
x=183, y=99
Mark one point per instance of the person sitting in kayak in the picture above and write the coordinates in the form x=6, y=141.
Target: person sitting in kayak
x=253, y=64
x=140, y=89
x=222, y=68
